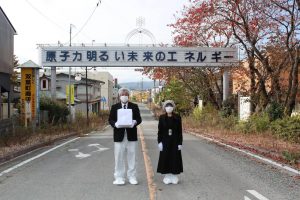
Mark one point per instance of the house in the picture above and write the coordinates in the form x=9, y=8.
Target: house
x=109, y=94
x=62, y=80
x=7, y=32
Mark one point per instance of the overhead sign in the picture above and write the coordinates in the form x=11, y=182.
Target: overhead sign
x=124, y=56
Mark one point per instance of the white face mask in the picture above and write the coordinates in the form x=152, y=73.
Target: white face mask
x=124, y=99
x=169, y=109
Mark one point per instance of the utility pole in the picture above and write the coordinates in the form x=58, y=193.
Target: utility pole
x=70, y=77
x=87, y=97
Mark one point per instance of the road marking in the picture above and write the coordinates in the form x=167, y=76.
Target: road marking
x=82, y=155
x=246, y=198
x=290, y=169
x=98, y=148
x=35, y=157
x=257, y=195
x=72, y=150
x=148, y=166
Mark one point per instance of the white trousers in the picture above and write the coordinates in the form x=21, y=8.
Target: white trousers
x=120, y=149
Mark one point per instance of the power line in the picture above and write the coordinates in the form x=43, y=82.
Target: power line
x=46, y=17
x=59, y=26
x=88, y=19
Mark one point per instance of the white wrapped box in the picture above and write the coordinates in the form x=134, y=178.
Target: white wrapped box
x=124, y=118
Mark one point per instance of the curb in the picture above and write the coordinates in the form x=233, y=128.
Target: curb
x=250, y=151
x=14, y=155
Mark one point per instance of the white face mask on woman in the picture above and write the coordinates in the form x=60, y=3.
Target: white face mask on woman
x=124, y=99
x=169, y=109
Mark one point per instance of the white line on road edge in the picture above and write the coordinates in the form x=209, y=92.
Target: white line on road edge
x=246, y=198
x=35, y=157
x=290, y=169
x=257, y=195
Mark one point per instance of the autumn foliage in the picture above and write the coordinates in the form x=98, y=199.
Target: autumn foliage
x=267, y=35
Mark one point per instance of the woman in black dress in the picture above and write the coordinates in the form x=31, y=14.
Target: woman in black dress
x=170, y=144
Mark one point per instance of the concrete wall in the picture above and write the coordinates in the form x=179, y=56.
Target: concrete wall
x=62, y=81
x=4, y=111
x=106, y=89
x=6, y=44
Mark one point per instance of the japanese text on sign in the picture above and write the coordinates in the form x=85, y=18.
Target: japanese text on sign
x=137, y=56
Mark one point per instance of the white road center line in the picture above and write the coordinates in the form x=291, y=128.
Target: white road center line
x=257, y=195
x=35, y=157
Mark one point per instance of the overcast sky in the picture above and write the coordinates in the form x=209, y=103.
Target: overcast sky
x=48, y=21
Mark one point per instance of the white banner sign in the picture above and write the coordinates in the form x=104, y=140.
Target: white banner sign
x=123, y=56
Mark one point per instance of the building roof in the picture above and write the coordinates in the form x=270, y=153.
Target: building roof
x=59, y=95
x=72, y=75
x=29, y=64
x=15, y=32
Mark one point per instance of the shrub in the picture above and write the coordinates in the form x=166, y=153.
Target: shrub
x=287, y=128
x=207, y=116
x=58, y=112
x=292, y=158
x=257, y=123
x=197, y=113
x=229, y=122
x=275, y=111
x=243, y=127
x=229, y=107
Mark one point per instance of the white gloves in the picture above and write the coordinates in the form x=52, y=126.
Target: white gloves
x=160, y=146
x=133, y=123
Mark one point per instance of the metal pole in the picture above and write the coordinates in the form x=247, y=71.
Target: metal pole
x=70, y=77
x=53, y=83
x=225, y=84
x=8, y=103
x=100, y=100
x=87, y=98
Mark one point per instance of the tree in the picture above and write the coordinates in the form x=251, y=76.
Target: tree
x=176, y=91
x=261, y=26
x=266, y=31
x=198, y=26
x=15, y=74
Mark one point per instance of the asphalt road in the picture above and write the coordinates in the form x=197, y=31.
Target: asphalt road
x=82, y=168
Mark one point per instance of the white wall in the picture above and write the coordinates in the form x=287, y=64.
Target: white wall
x=106, y=89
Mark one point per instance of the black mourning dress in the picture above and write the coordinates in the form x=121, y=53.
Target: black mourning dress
x=170, y=160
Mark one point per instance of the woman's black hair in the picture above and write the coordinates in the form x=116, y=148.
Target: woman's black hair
x=169, y=105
